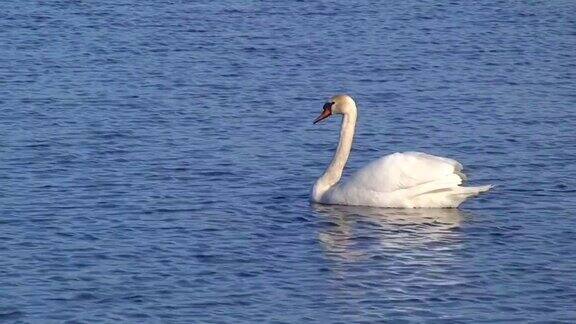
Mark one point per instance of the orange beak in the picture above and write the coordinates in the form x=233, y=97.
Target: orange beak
x=327, y=112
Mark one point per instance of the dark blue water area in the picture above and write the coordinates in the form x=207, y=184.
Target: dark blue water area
x=156, y=159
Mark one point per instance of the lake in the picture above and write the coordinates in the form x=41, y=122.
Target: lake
x=157, y=157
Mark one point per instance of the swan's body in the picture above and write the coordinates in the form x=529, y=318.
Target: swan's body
x=399, y=180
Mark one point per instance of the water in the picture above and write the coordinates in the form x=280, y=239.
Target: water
x=156, y=159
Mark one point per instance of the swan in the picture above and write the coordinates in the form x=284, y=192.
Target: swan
x=399, y=180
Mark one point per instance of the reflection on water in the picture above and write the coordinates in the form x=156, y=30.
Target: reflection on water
x=354, y=233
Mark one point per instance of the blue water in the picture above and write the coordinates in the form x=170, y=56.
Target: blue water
x=156, y=159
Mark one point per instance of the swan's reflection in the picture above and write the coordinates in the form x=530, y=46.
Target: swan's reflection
x=353, y=233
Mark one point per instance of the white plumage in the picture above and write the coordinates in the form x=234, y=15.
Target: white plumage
x=399, y=180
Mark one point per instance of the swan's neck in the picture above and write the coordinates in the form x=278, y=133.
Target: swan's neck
x=334, y=171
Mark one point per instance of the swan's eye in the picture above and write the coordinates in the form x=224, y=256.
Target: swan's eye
x=326, y=112
x=328, y=105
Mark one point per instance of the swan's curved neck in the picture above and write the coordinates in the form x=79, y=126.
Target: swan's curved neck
x=334, y=171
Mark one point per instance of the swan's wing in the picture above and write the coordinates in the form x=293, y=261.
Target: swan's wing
x=404, y=170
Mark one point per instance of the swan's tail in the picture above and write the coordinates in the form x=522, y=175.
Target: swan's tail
x=473, y=191
x=446, y=196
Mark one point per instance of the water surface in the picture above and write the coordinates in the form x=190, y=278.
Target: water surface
x=156, y=159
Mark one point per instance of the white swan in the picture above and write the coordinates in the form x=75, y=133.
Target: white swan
x=399, y=180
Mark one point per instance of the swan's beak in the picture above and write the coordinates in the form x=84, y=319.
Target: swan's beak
x=327, y=112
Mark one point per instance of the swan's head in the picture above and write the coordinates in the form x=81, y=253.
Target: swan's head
x=340, y=104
